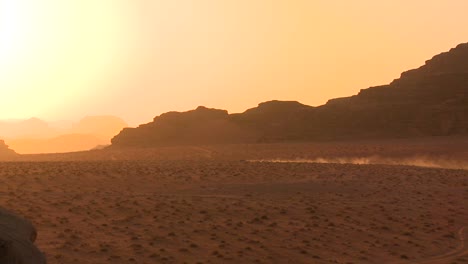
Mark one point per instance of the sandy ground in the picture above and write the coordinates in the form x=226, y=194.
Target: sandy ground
x=212, y=205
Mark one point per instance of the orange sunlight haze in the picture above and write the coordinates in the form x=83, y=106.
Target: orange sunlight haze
x=136, y=59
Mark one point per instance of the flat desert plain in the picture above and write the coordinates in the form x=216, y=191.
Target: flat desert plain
x=269, y=203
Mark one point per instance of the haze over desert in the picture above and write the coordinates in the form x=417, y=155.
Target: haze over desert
x=247, y=131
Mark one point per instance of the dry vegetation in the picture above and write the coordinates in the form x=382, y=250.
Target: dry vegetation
x=210, y=205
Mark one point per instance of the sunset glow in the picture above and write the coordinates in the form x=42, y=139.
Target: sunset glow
x=54, y=53
x=136, y=59
x=233, y=131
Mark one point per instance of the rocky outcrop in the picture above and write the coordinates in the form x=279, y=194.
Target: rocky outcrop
x=274, y=121
x=17, y=236
x=5, y=151
x=429, y=101
x=199, y=126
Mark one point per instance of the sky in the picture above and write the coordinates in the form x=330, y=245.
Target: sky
x=62, y=60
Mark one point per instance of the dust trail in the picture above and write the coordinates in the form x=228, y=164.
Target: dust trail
x=407, y=161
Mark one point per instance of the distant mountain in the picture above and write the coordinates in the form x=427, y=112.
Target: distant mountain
x=60, y=144
x=33, y=127
x=38, y=136
x=429, y=101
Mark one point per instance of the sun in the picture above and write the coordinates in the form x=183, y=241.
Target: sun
x=53, y=53
x=15, y=33
x=25, y=61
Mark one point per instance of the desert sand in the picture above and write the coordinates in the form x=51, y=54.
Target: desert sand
x=238, y=204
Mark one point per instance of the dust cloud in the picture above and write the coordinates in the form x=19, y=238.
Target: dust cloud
x=407, y=161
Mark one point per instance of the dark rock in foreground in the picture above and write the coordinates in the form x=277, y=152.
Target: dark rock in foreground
x=429, y=101
x=17, y=236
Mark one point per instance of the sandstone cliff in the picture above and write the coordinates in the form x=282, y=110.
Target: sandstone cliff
x=429, y=101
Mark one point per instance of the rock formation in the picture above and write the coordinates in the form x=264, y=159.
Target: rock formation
x=17, y=236
x=5, y=151
x=429, y=101
x=199, y=126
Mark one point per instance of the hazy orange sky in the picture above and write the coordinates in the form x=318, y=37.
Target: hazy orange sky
x=139, y=58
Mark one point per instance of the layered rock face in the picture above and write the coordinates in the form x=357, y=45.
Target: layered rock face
x=17, y=236
x=429, y=101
